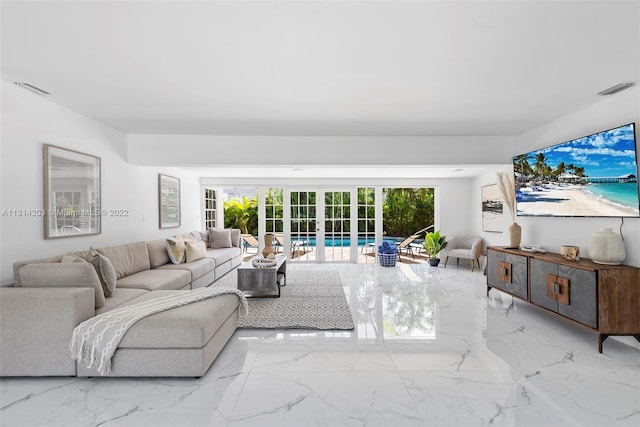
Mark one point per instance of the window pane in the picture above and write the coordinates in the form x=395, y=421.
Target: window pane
x=371, y=212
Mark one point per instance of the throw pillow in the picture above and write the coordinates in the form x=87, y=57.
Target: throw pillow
x=196, y=251
x=176, y=249
x=220, y=238
x=235, y=237
x=68, y=258
x=205, y=237
x=105, y=270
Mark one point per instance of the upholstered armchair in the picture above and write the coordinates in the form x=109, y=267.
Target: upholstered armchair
x=467, y=247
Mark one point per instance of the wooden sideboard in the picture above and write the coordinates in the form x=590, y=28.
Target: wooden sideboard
x=603, y=298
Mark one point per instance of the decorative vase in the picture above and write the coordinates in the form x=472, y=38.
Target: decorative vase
x=268, y=245
x=607, y=247
x=515, y=235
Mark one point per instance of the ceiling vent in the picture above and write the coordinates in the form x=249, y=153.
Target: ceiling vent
x=32, y=88
x=615, y=89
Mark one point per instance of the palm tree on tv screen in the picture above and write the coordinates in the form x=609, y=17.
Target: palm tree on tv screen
x=540, y=166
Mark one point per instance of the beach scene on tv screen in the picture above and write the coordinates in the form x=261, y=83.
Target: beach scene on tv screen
x=595, y=175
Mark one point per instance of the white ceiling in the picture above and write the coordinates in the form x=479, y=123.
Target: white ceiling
x=353, y=68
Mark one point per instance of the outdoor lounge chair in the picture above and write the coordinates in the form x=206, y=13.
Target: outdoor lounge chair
x=279, y=242
x=296, y=245
x=248, y=241
x=405, y=246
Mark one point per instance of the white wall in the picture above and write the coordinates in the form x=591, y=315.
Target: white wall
x=554, y=232
x=207, y=150
x=490, y=238
x=551, y=233
x=28, y=122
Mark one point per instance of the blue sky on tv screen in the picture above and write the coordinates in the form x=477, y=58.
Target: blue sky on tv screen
x=608, y=153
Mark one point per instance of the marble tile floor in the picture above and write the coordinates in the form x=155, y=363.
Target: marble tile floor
x=429, y=349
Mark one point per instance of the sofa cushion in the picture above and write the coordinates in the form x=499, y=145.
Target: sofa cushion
x=158, y=253
x=189, y=326
x=195, y=251
x=176, y=249
x=63, y=275
x=220, y=238
x=127, y=259
x=459, y=253
x=197, y=268
x=119, y=297
x=18, y=265
x=156, y=279
x=223, y=255
x=105, y=270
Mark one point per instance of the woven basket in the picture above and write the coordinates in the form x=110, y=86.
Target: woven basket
x=387, y=260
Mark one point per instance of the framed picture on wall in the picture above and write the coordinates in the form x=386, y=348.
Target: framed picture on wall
x=169, y=201
x=492, y=209
x=71, y=193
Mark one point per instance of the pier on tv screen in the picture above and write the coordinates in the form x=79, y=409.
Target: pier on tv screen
x=596, y=175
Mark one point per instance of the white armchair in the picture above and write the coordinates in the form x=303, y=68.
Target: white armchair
x=467, y=247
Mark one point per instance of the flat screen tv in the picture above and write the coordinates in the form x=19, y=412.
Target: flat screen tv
x=592, y=176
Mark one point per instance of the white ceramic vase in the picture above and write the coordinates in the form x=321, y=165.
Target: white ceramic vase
x=607, y=247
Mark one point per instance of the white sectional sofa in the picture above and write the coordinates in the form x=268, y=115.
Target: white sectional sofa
x=49, y=299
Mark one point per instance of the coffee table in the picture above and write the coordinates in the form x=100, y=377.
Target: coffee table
x=262, y=281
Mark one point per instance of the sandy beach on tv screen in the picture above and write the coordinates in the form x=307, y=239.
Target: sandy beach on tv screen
x=567, y=200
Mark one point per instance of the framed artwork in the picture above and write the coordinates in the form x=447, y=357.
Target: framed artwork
x=169, y=201
x=71, y=193
x=492, y=209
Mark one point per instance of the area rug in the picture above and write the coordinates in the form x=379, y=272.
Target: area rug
x=309, y=300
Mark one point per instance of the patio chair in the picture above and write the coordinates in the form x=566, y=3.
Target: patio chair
x=279, y=242
x=405, y=246
x=248, y=241
x=296, y=245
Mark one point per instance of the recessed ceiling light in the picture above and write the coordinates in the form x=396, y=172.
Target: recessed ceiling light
x=31, y=88
x=458, y=170
x=617, y=88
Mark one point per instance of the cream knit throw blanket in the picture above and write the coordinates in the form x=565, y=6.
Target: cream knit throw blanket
x=95, y=340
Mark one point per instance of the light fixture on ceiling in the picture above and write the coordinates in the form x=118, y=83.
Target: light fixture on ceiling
x=32, y=88
x=458, y=170
x=617, y=88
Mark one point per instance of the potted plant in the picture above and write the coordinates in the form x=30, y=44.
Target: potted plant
x=433, y=243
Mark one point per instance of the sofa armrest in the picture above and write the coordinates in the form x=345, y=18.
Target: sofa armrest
x=37, y=325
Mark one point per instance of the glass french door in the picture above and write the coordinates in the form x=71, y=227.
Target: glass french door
x=320, y=225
